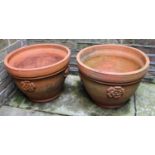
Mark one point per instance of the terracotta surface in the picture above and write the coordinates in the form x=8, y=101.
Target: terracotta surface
x=111, y=73
x=39, y=70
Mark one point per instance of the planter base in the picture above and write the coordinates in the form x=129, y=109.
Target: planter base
x=107, y=106
x=45, y=100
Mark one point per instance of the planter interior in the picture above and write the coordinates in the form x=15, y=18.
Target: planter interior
x=113, y=60
x=37, y=60
x=36, y=57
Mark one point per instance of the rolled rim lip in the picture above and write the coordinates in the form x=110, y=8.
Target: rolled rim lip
x=39, y=68
x=114, y=73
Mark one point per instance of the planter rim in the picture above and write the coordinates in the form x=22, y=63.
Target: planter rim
x=32, y=46
x=44, y=76
x=114, y=73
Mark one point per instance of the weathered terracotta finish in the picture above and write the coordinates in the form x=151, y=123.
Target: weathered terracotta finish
x=111, y=73
x=39, y=70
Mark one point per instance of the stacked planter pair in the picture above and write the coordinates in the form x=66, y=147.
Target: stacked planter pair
x=110, y=73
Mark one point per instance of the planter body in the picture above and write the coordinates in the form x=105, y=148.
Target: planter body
x=111, y=73
x=39, y=70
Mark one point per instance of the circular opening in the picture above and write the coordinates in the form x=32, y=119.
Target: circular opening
x=113, y=59
x=37, y=61
x=37, y=56
x=112, y=64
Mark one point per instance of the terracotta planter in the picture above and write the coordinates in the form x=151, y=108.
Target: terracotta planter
x=39, y=70
x=111, y=73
